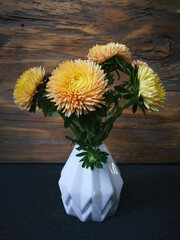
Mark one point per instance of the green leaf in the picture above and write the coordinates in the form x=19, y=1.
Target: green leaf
x=143, y=110
x=45, y=94
x=53, y=114
x=118, y=75
x=55, y=67
x=84, y=159
x=105, y=159
x=129, y=66
x=81, y=154
x=84, y=164
x=109, y=97
x=102, y=112
x=92, y=120
x=93, y=157
x=33, y=103
x=125, y=84
x=81, y=139
x=92, y=167
x=127, y=96
x=98, y=165
x=109, y=76
x=45, y=111
x=78, y=148
x=121, y=89
x=120, y=62
x=67, y=121
x=141, y=105
x=134, y=108
x=69, y=138
x=53, y=111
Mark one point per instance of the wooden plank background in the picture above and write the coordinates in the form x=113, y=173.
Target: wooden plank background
x=34, y=33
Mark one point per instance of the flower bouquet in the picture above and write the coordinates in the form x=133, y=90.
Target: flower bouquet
x=89, y=100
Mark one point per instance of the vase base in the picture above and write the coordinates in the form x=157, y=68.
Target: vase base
x=90, y=195
x=90, y=211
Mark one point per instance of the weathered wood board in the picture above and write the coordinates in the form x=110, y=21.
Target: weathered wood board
x=34, y=33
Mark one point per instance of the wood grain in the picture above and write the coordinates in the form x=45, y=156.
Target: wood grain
x=34, y=33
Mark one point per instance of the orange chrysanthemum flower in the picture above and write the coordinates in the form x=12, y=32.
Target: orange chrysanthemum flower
x=139, y=63
x=77, y=86
x=26, y=87
x=101, y=53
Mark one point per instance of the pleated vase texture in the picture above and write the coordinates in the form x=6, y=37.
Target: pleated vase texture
x=90, y=195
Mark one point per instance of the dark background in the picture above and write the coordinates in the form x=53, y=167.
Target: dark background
x=34, y=33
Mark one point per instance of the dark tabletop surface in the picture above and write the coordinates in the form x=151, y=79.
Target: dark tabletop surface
x=31, y=206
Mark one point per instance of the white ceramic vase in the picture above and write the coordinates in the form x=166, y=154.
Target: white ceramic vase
x=90, y=195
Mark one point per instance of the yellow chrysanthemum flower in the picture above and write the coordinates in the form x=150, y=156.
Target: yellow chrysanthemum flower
x=139, y=63
x=77, y=86
x=26, y=86
x=101, y=53
x=151, y=89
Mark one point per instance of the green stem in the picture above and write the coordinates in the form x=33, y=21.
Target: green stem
x=121, y=109
x=109, y=123
x=74, y=128
x=89, y=137
x=112, y=111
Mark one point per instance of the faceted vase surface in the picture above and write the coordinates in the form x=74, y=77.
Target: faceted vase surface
x=90, y=195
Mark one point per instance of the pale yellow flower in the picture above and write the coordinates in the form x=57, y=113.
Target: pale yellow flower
x=100, y=53
x=26, y=86
x=139, y=63
x=151, y=89
x=77, y=86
